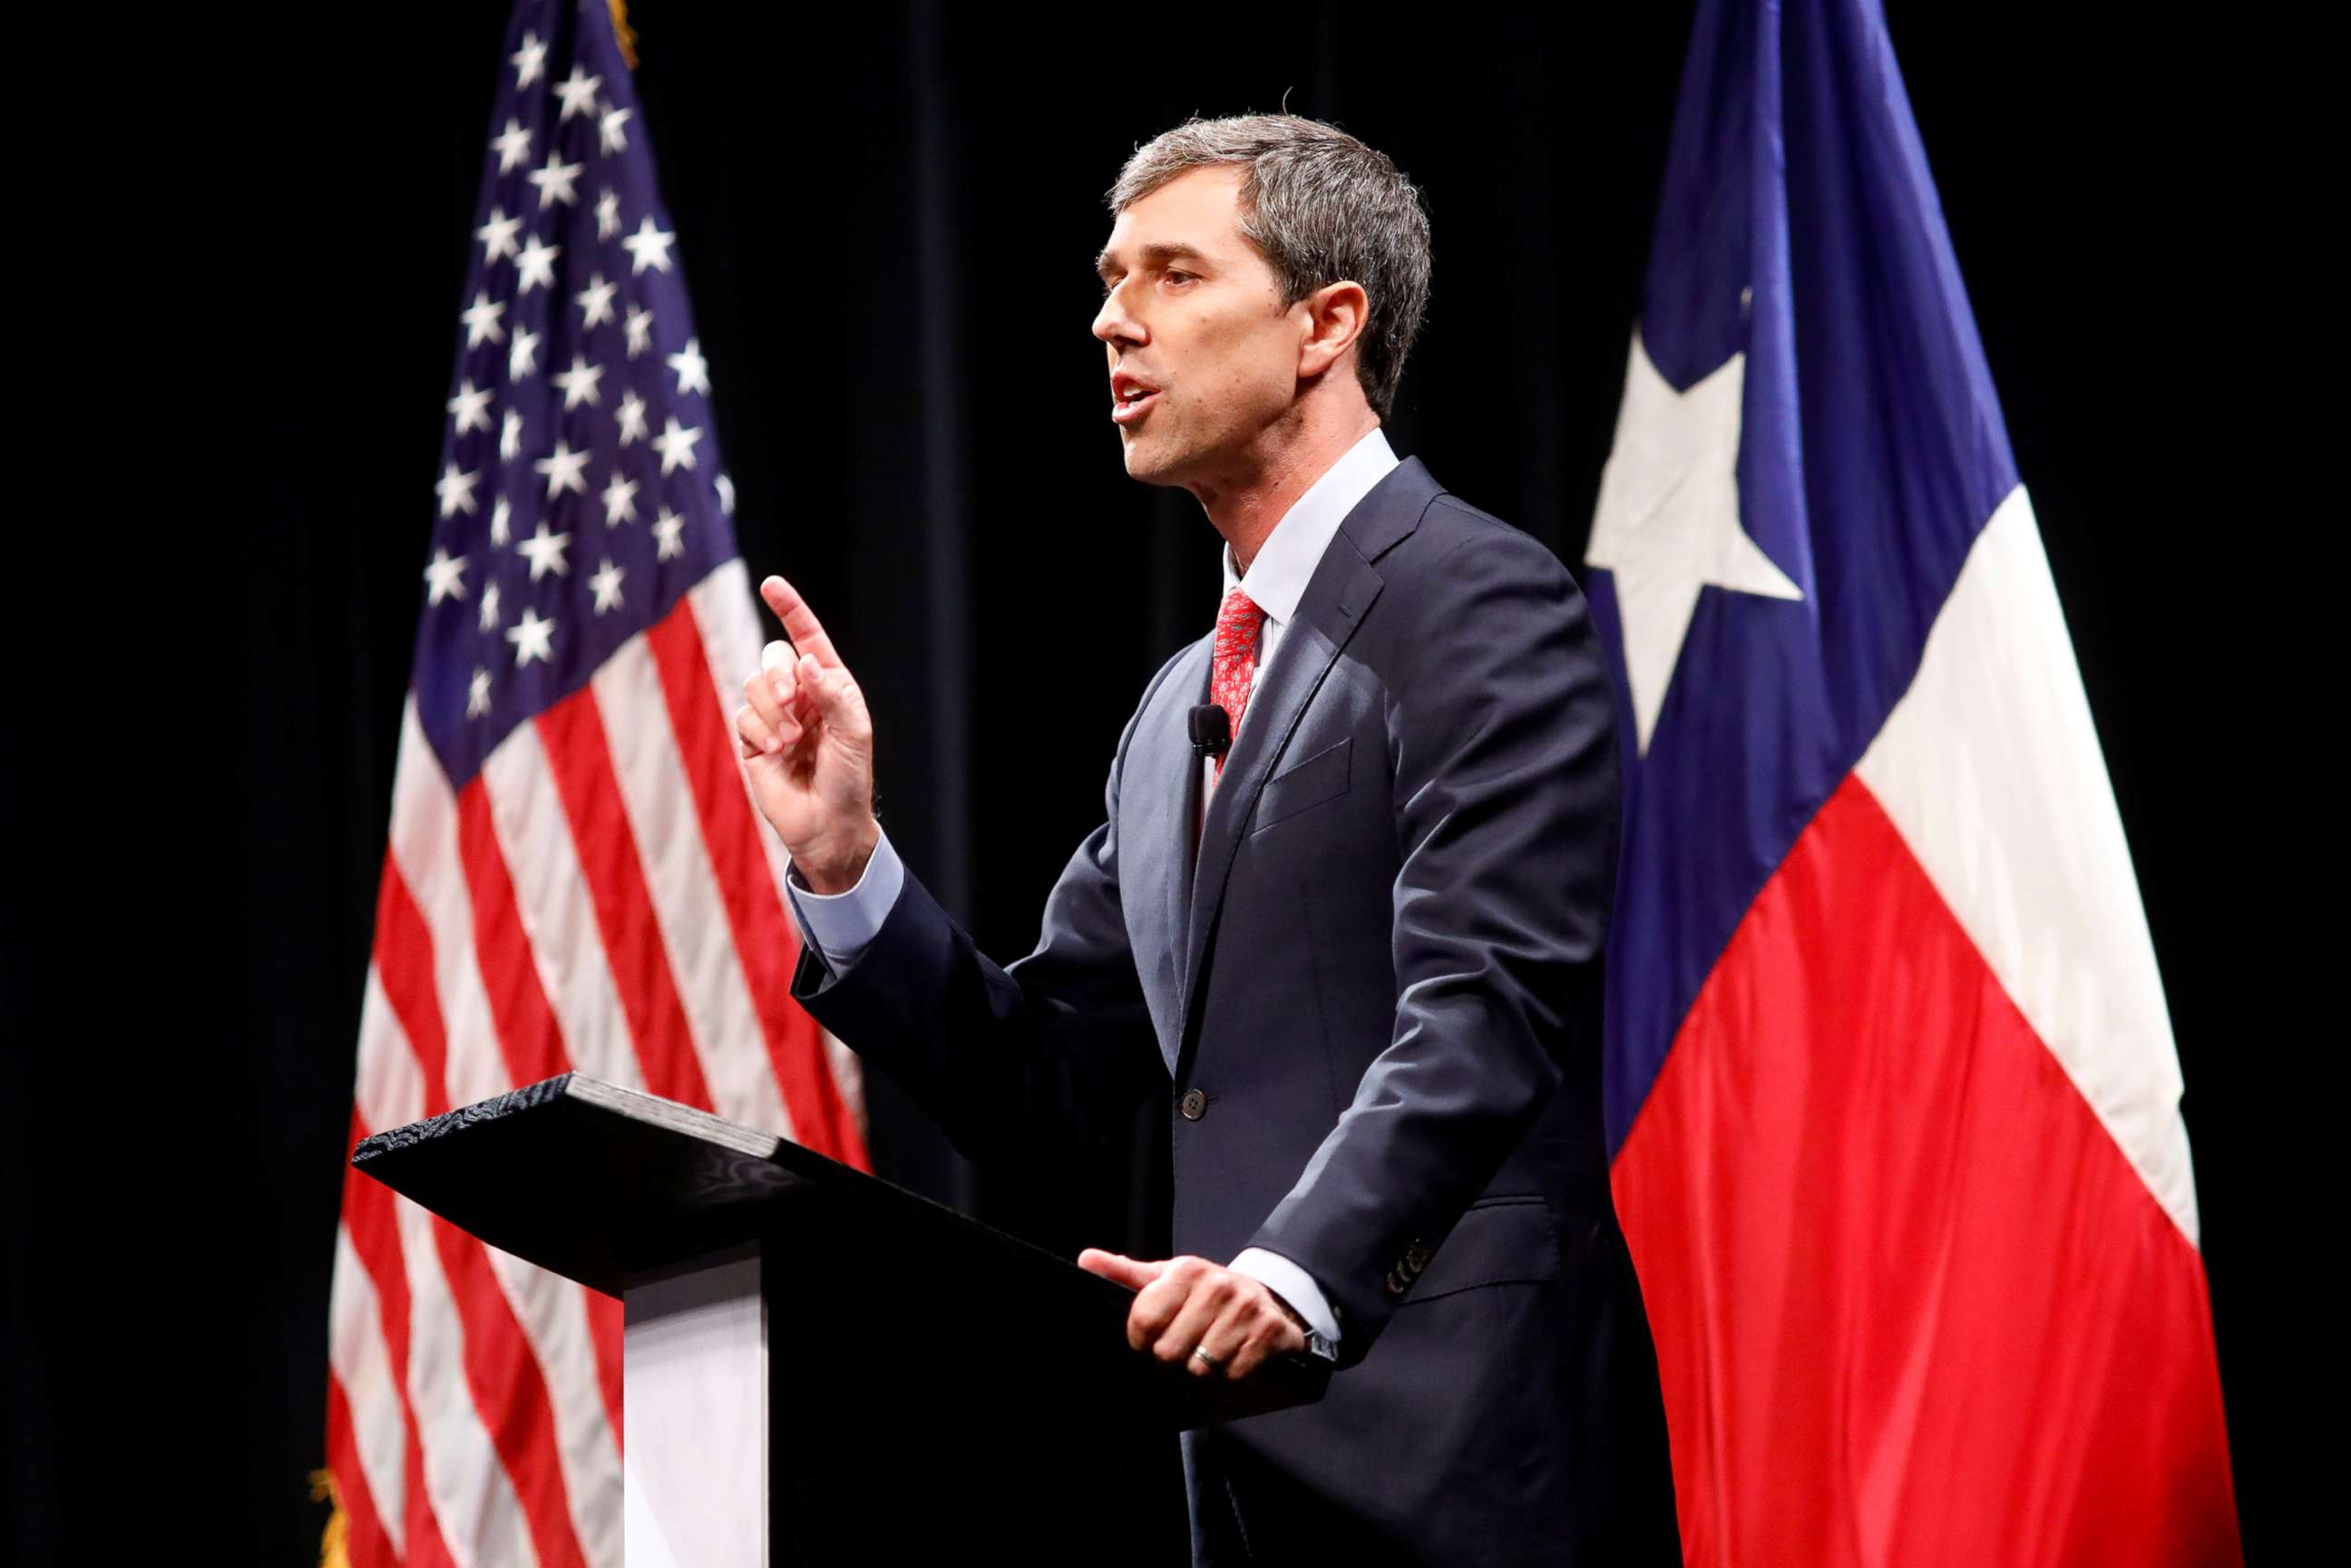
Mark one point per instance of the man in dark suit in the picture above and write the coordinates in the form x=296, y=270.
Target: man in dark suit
x=1357, y=955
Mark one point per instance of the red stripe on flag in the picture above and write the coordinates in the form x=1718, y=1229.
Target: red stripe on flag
x=527, y=1032
x=510, y=1392
x=1912, y=1304
x=375, y=1239
x=403, y=963
x=501, y=1371
x=605, y=1324
x=765, y=941
x=582, y=765
x=365, y=1543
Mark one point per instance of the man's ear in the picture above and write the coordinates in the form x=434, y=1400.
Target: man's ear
x=1336, y=315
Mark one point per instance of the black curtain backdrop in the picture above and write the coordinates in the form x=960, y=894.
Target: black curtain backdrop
x=886, y=219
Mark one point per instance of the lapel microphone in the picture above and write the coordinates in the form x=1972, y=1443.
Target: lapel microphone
x=1211, y=730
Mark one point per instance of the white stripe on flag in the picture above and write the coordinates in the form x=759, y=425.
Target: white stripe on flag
x=471, y=1493
x=688, y=906
x=361, y=1363
x=556, y=909
x=464, y=1477
x=424, y=846
x=1990, y=767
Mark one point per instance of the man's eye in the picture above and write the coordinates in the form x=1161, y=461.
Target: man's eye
x=1173, y=276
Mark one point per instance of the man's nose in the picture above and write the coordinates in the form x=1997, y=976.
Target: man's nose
x=1114, y=324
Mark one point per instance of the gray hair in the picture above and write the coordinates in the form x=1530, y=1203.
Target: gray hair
x=1321, y=208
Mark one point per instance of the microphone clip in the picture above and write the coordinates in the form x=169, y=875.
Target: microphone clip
x=1210, y=729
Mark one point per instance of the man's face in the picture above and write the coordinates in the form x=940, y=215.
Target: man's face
x=1203, y=355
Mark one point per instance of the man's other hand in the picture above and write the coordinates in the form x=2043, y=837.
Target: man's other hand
x=1187, y=1305
x=808, y=748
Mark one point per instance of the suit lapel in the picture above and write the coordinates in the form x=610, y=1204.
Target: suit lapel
x=1159, y=800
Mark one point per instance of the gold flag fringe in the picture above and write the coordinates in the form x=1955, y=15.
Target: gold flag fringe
x=334, y=1546
x=622, y=31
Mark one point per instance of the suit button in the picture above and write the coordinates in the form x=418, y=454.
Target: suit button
x=1194, y=1105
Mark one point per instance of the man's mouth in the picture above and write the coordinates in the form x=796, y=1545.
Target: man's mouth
x=1130, y=399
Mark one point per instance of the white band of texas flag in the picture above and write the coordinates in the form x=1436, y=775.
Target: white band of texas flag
x=1892, y=1089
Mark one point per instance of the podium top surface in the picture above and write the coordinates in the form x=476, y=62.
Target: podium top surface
x=608, y=1185
x=593, y=1181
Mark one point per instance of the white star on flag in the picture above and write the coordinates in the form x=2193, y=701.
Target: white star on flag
x=620, y=501
x=522, y=356
x=595, y=300
x=529, y=60
x=544, y=553
x=444, y=577
x=692, y=369
x=607, y=584
x=564, y=470
x=536, y=264
x=510, y=436
x=478, y=693
x=1668, y=520
x=666, y=529
x=455, y=490
x=471, y=407
x=553, y=179
x=649, y=246
x=611, y=138
x=578, y=382
x=497, y=236
x=608, y=214
x=675, y=443
x=578, y=92
x=513, y=146
x=532, y=638
x=481, y=319
x=501, y=525
x=490, y=607
x=632, y=419
x=641, y=330
x=725, y=495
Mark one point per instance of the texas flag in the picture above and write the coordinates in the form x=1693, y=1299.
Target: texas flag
x=1892, y=1092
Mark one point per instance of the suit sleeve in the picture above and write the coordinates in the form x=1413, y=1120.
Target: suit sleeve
x=1055, y=1051
x=1502, y=733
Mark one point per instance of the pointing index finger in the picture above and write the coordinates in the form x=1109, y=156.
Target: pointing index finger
x=801, y=623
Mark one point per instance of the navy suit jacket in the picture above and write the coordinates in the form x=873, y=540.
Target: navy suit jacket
x=1370, y=1001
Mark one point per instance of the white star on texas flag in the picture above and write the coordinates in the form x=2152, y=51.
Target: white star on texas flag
x=1667, y=522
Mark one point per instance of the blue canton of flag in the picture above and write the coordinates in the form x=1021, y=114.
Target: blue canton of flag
x=581, y=492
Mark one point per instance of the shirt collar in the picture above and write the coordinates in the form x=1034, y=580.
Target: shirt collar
x=1285, y=563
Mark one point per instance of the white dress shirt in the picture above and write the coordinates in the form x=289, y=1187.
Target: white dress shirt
x=842, y=925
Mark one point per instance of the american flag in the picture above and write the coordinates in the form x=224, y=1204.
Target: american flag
x=575, y=877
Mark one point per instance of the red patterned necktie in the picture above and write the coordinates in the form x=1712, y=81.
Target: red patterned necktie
x=1233, y=669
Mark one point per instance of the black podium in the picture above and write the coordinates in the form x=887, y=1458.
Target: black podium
x=818, y=1367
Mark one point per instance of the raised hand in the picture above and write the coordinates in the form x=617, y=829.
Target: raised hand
x=1185, y=1306
x=808, y=748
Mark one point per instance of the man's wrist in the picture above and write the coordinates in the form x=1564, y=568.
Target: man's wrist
x=832, y=868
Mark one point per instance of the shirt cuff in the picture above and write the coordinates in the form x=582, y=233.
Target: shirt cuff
x=841, y=926
x=1292, y=1284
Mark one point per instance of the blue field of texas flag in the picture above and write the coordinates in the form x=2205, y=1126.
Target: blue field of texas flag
x=1893, y=1094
